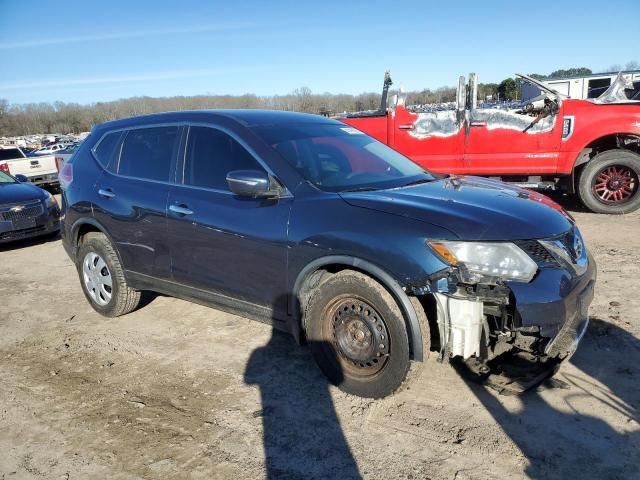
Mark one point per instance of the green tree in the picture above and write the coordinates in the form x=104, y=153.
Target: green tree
x=508, y=89
x=571, y=72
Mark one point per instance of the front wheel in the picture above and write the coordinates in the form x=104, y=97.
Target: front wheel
x=357, y=335
x=609, y=182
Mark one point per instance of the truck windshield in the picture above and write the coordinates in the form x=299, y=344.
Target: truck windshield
x=340, y=158
x=4, y=178
x=10, y=153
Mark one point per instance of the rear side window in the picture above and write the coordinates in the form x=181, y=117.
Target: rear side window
x=106, y=148
x=210, y=155
x=10, y=153
x=149, y=153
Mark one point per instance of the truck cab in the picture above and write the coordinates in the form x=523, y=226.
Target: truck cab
x=549, y=142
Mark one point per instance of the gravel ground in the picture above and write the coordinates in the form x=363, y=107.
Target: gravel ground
x=177, y=390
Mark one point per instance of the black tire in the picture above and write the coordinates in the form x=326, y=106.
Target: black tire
x=590, y=181
x=350, y=311
x=123, y=299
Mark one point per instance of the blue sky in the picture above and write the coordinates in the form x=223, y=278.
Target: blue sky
x=88, y=51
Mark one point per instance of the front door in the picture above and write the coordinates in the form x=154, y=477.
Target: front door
x=220, y=242
x=503, y=142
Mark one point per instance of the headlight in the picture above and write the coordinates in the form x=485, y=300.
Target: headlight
x=487, y=262
x=50, y=201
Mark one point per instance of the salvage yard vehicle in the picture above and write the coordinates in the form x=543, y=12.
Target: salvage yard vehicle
x=589, y=147
x=26, y=211
x=65, y=154
x=310, y=225
x=40, y=171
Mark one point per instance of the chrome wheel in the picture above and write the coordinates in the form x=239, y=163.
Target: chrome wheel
x=97, y=278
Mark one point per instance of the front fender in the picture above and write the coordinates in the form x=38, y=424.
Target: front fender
x=414, y=331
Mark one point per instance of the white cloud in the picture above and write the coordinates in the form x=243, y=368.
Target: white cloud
x=147, y=77
x=56, y=40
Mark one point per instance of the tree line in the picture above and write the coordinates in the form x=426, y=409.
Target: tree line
x=61, y=117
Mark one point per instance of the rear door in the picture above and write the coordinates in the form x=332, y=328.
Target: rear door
x=222, y=243
x=434, y=140
x=131, y=195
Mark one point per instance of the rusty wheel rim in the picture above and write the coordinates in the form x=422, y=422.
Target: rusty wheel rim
x=358, y=334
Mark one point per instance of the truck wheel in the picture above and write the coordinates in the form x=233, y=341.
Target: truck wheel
x=357, y=335
x=102, y=277
x=609, y=182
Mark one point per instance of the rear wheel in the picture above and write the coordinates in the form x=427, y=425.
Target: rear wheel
x=357, y=335
x=609, y=183
x=102, y=277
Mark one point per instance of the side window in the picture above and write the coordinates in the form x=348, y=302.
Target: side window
x=106, y=148
x=148, y=153
x=210, y=155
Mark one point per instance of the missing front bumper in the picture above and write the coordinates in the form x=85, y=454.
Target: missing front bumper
x=547, y=318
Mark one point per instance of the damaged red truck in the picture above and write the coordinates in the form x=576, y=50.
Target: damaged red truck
x=551, y=142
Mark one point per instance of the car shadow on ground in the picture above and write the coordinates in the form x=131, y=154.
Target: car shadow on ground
x=570, y=203
x=302, y=435
x=563, y=443
x=29, y=242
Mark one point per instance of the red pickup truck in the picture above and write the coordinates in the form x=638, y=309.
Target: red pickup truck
x=588, y=147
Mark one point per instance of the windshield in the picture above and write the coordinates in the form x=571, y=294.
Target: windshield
x=4, y=178
x=340, y=158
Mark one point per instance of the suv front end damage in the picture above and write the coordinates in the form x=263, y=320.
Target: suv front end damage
x=512, y=334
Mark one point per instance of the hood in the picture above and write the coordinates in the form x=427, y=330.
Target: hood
x=19, y=192
x=542, y=86
x=473, y=208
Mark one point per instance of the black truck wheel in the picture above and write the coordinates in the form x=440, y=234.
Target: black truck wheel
x=609, y=182
x=357, y=335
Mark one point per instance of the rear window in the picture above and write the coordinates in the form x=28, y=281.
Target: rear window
x=10, y=153
x=105, y=150
x=148, y=153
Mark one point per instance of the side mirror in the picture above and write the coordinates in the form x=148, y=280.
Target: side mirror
x=21, y=178
x=251, y=183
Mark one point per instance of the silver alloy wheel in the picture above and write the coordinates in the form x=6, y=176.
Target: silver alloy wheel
x=97, y=278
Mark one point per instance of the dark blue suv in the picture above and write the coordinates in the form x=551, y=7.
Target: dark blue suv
x=322, y=231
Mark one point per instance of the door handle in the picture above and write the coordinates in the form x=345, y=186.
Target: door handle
x=407, y=126
x=180, y=210
x=106, y=193
x=478, y=123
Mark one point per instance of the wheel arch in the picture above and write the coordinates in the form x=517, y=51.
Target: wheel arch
x=610, y=141
x=86, y=225
x=341, y=262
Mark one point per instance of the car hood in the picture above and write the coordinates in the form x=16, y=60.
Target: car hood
x=19, y=192
x=472, y=208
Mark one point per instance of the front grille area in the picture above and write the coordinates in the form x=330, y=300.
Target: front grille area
x=538, y=253
x=28, y=210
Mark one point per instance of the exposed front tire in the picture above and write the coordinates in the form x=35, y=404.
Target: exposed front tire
x=357, y=335
x=102, y=277
x=609, y=182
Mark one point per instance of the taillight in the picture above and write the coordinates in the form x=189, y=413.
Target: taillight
x=59, y=162
x=66, y=175
x=4, y=167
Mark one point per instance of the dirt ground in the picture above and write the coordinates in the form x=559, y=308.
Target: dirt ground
x=177, y=390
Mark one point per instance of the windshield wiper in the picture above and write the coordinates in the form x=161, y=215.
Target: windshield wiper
x=417, y=182
x=361, y=189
